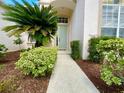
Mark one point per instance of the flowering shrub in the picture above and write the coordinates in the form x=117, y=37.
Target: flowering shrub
x=94, y=56
x=112, y=52
x=38, y=61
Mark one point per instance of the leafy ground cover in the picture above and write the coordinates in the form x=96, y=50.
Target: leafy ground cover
x=13, y=81
x=92, y=70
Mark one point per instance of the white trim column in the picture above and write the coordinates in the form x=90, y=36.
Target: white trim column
x=118, y=28
x=91, y=24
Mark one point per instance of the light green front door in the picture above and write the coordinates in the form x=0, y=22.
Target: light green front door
x=62, y=36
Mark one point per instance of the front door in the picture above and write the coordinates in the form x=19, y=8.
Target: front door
x=62, y=36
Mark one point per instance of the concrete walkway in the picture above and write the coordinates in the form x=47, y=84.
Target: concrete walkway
x=67, y=77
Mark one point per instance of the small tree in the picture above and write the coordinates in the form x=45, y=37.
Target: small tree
x=18, y=41
x=40, y=23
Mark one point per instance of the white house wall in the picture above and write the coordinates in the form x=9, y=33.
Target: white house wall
x=91, y=23
x=77, y=21
x=8, y=41
x=84, y=23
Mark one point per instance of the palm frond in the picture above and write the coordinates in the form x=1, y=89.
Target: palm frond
x=41, y=23
x=15, y=32
x=9, y=28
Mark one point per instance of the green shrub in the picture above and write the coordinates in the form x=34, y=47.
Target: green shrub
x=75, y=50
x=112, y=53
x=8, y=85
x=93, y=54
x=24, y=50
x=37, y=62
x=3, y=50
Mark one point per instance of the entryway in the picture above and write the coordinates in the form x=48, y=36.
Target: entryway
x=62, y=36
x=67, y=77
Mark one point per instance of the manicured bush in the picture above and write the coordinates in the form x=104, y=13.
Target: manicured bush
x=93, y=54
x=75, y=50
x=37, y=62
x=3, y=50
x=112, y=53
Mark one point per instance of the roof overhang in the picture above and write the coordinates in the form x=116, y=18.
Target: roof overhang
x=49, y=1
x=70, y=4
x=63, y=7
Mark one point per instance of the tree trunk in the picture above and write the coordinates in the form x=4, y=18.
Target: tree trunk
x=37, y=44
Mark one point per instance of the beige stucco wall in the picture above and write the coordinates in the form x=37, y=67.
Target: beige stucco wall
x=8, y=41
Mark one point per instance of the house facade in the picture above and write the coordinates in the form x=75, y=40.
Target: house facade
x=79, y=20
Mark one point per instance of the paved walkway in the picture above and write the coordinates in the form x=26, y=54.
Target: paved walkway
x=67, y=77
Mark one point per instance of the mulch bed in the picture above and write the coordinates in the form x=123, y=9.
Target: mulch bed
x=92, y=70
x=25, y=84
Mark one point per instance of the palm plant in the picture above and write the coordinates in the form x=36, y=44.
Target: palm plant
x=41, y=24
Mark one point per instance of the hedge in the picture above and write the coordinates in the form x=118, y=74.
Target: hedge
x=75, y=50
x=94, y=56
x=37, y=62
x=112, y=57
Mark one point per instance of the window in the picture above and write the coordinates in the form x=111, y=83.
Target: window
x=113, y=18
x=109, y=31
x=121, y=33
x=112, y=1
x=63, y=20
x=110, y=16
